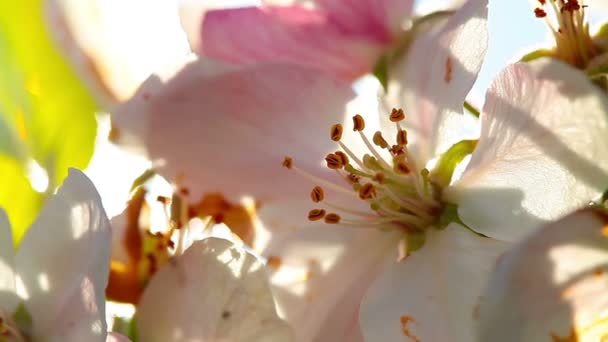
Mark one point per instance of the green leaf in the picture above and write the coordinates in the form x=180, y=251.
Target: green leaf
x=536, y=55
x=442, y=173
x=46, y=114
x=41, y=95
x=17, y=197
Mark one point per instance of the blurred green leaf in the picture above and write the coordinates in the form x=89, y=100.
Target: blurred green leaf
x=47, y=114
x=17, y=197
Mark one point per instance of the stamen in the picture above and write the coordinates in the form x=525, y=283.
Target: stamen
x=317, y=194
x=367, y=191
x=319, y=180
x=332, y=218
x=336, y=132
x=540, y=13
x=402, y=137
x=379, y=177
x=358, y=123
x=316, y=214
x=371, y=148
x=342, y=156
x=379, y=140
x=400, y=165
x=288, y=162
x=333, y=161
x=397, y=115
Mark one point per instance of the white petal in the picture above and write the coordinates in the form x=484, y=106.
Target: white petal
x=432, y=294
x=213, y=292
x=552, y=285
x=431, y=83
x=541, y=153
x=8, y=296
x=117, y=44
x=63, y=262
x=322, y=273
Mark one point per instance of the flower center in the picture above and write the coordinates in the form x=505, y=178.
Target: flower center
x=398, y=192
x=574, y=44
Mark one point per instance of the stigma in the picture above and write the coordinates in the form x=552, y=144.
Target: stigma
x=385, y=176
x=574, y=44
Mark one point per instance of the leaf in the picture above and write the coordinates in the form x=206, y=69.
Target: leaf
x=443, y=171
x=41, y=95
x=17, y=197
x=46, y=114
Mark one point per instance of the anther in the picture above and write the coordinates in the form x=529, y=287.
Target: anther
x=379, y=140
x=333, y=161
x=402, y=137
x=332, y=218
x=540, y=13
x=397, y=150
x=379, y=177
x=367, y=191
x=400, y=165
x=317, y=194
x=336, y=132
x=542, y=2
x=358, y=123
x=288, y=162
x=316, y=214
x=343, y=157
x=353, y=179
x=397, y=115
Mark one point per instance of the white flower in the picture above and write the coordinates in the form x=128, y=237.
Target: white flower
x=54, y=282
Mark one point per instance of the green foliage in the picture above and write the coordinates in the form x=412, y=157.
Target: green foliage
x=442, y=173
x=46, y=114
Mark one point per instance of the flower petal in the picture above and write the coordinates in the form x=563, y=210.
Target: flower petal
x=115, y=337
x=552, y=286
x=321, y=274
x=431, y=83
x=228, y=132
x=288, y=34
x=8, y=296
x=378, y=18
x=117, y=44
x=431, y=295
x=539, y=156
x=213, y=292
x=63, y=262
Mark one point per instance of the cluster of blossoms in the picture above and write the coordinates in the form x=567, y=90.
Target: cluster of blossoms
x=410, y=227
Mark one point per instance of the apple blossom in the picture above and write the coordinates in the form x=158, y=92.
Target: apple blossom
x=551, y=286
x=52, y=286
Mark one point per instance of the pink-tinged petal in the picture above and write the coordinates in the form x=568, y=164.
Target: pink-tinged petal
x=431, y=83
x=380, y=19
x=8, y=295
x=63, y=262
x=230, y=131
x=321, y=272
x=213, y=292
x=117, y=44
x=540, y=154
x=552, y=286
x=115, y=337
x=432, y=294
x=287, y=34
x=191, y=13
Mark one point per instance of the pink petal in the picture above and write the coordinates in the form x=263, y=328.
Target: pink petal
x=289, y=34
x=116, y=337
x=64, y=262
x=439, y=70
x=378, y=18
x=229, y=132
